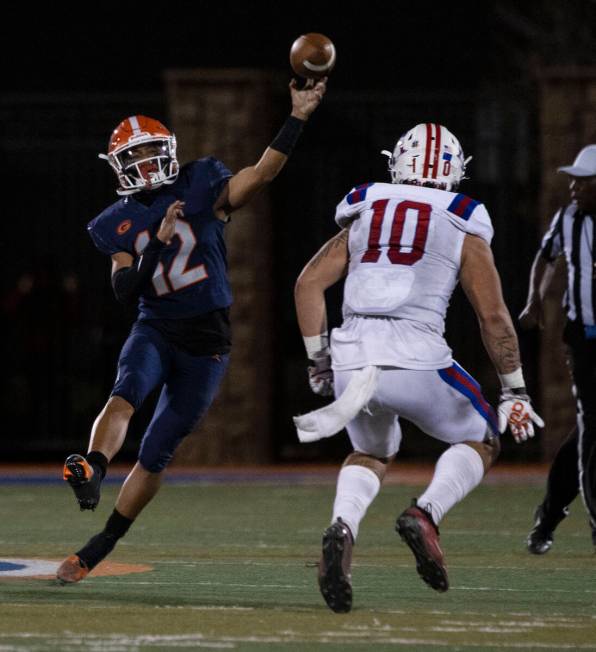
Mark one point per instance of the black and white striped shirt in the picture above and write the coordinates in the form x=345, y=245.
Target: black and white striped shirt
x=572, y=233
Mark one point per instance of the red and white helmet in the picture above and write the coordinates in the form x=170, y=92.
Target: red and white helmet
x=142, y=153
x=428, y=155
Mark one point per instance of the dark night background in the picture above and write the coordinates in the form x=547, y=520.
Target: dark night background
x=69, y=78
x=385, y=45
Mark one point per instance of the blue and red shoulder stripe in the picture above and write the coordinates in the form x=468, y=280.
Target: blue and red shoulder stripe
x=462, y=206
x=359, y=193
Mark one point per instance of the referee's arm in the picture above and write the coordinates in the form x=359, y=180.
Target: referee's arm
x=541, y=276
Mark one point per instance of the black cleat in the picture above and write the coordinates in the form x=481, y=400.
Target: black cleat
x=335, y=578
x=85, y=482
x=540, y=539
x=417, y=528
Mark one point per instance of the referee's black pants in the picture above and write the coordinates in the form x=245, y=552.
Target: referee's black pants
x=574, y=467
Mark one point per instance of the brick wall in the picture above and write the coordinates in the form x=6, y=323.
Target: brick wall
x=230, y=114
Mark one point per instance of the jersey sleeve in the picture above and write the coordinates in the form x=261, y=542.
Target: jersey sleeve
x=552, y=242
x=218, y=175
x=474, y=217
x=102, y=241
x=349, y=207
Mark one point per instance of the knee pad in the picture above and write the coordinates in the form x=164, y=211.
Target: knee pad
x=129, y=387
x=157, y=452
x=154, y=463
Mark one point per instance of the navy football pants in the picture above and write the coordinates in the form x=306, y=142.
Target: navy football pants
x=189, y=384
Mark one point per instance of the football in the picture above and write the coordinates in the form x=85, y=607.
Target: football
x=312, y=56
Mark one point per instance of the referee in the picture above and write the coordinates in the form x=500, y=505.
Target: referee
x=571, y=234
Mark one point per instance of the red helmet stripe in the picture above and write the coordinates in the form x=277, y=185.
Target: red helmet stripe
x=429, y=134
x=437, y=151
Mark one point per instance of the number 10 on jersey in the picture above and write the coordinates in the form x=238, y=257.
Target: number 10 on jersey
x=398, y=214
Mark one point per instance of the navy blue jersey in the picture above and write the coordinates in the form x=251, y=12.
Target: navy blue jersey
x=191, y=277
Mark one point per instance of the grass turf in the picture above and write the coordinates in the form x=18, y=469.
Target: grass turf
x=233, y=569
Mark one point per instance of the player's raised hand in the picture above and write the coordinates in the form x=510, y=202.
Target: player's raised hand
x=168, y=224
x=306, y=100
x=516, y=411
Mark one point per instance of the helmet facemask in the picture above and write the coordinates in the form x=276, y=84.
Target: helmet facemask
x=147, y=170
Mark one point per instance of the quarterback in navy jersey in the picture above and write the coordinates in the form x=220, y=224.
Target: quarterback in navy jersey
x=196, y=282
x=165, y=240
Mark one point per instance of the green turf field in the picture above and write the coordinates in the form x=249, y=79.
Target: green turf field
x=233, y=571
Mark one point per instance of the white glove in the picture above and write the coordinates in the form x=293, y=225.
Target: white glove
x=515, y=410
x=320, y=377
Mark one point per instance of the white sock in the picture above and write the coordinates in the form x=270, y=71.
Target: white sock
x=458, y=471
x=357, y=487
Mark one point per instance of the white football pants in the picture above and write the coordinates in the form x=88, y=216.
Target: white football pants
x=447, y=404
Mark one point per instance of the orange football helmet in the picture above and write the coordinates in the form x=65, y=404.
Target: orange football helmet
x=142, y=153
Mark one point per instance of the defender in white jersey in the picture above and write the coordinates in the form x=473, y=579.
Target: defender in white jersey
x=404, y=247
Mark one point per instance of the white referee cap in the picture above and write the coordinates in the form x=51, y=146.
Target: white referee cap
x=584, y=164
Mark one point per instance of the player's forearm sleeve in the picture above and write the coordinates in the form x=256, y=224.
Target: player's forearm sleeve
x=129, y=282
x=288, y=135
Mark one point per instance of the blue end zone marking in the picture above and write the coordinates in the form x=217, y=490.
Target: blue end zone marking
x=358, y=194
x=49, y=479
x=6, y=566
x=201, y=477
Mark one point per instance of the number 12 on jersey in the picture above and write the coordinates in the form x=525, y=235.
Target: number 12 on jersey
x=400, y=214
x=179, y=275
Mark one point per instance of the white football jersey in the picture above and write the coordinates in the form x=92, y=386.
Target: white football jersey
x=405, y=248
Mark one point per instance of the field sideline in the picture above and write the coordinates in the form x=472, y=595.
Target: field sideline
x=233, y=568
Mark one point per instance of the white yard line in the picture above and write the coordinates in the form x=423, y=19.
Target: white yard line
x=114, y=642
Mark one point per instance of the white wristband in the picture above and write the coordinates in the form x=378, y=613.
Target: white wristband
x=316, y=345
x=513, y=380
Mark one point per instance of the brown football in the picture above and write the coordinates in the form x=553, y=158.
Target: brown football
x=312, y=56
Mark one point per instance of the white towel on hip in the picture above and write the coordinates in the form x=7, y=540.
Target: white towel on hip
x=329, y=420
